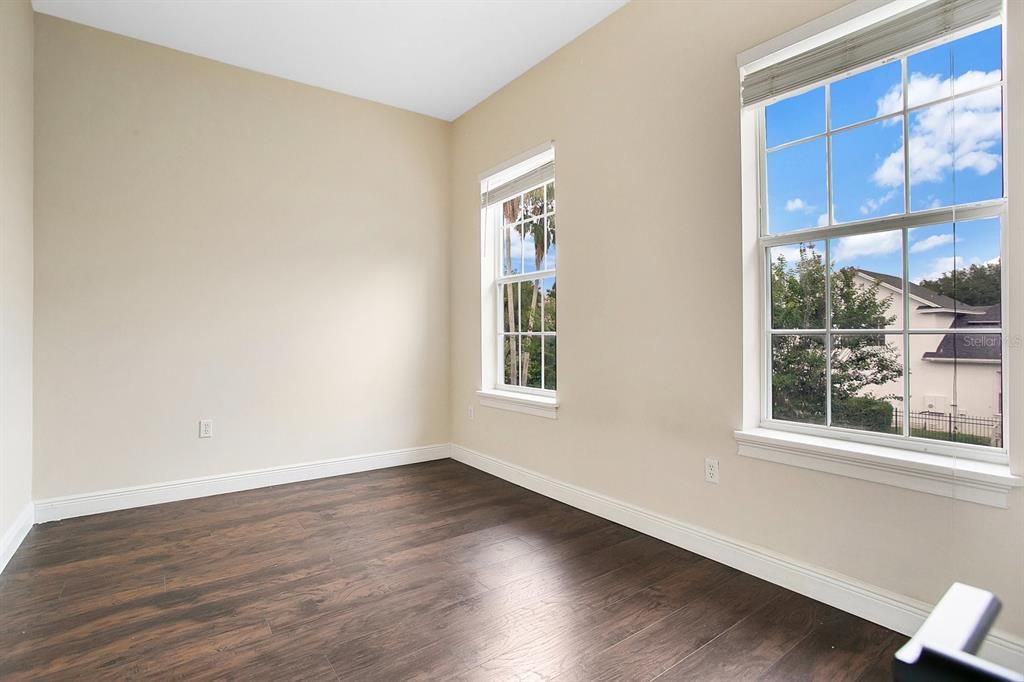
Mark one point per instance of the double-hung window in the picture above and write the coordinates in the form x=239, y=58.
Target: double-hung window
x=881, y=230
x=519, y=278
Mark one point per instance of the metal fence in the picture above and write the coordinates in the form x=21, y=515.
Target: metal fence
x=959, y=427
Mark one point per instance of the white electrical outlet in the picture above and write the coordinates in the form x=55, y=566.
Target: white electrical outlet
x=471, y=413
x=710, y=470
x=206, y=428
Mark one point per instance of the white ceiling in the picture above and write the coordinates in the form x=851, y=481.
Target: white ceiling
x=435, y=57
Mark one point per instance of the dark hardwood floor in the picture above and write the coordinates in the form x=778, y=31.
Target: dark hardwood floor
x=431, y=571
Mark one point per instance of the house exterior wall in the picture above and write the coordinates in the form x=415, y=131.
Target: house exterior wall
x=968, y=388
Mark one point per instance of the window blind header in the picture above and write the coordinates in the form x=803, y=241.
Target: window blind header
x=902, y=32
x=537, y=176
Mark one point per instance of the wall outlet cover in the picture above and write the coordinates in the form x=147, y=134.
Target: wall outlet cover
x=711, y=470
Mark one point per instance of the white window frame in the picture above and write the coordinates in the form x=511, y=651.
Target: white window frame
x=976, y=473
x=494, y=392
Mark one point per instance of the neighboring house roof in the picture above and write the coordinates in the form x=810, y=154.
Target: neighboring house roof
x=985, y=347
x=972, y=346
x=988, y=315
x=933, y=299
x=968, y=347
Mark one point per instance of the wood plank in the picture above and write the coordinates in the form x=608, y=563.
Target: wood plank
x=426, y=571
x=840, y=647
x=654, y=650
x=751, y=647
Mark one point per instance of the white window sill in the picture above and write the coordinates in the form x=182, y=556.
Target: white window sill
x=537, y=405
x=961, y=479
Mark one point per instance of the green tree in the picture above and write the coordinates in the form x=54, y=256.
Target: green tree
x=859, y=361
x=974, y=285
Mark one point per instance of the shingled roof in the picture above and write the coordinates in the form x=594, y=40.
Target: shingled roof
x=955, y=346
x=934, y=299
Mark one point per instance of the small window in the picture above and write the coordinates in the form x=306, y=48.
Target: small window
x=519, y=276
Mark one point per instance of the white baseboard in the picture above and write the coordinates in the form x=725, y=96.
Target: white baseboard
x=890, y=610
x=16, y=533
x=57, y=508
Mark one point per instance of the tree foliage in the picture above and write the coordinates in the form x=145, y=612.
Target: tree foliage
x=974, y=285
x=859, y=361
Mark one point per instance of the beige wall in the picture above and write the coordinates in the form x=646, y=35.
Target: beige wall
x=644, y=110
x=211, y=242
x=16, y=38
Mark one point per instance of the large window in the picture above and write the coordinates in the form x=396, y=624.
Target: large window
x=520, y=282
x=882, y=212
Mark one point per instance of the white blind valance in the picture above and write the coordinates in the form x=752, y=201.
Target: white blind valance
x=902, y=32
x=537, y=176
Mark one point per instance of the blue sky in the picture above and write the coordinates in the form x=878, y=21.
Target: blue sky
x=955, y=148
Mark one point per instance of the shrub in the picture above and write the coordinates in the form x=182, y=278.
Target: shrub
x=860, y=412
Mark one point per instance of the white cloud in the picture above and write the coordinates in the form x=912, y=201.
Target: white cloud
x=929, y=243
x=798, y=204
x=890, y=103
x=942, y=266
x=992, y=261
x=935, y=148
x=872, y=204
x=823, y=220
x=875, y=244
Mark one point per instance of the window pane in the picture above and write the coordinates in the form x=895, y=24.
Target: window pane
x=867, y=281
x=978, y=143
x=533, y=203
x=550, y=363
x=795, y=118
x=797, y=187
x=552, y=250
x=956, y=151
x=977, y=284
x=798, y=285
x=977, y=60
x=867, y=382
x=550, y=194
x=931, y=157
x=930, y=75
x=956, y=388
x=931, y=261
x=510, y=345
x=533, y=245
x=550, y=304
x=956, y=268
x=531, y=361
x=511, y=210
x=529, y=304
x=512, y=250
x=867, y=171
x=798, y=378
x=867, y=95
x=955, y=68
x=510, y=307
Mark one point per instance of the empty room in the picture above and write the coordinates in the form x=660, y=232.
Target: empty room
x=511, y=340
